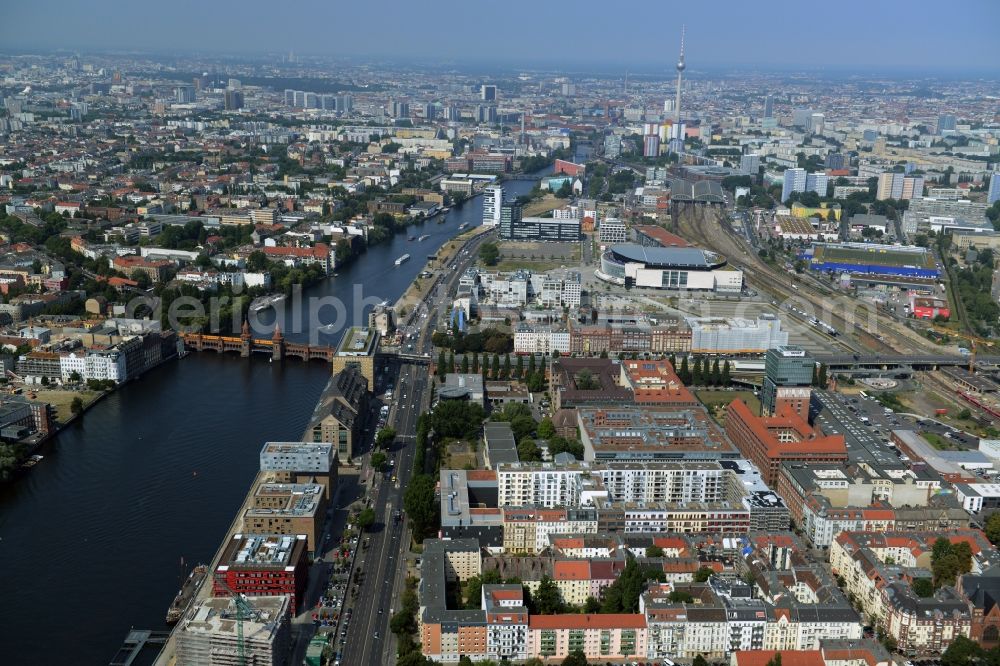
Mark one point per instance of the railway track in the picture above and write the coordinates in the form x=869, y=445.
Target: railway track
x=875, y=333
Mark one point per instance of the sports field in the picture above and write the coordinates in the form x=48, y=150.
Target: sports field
x=872, y=257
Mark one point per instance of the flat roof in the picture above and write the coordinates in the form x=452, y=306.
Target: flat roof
x=256, y=551
x=668, y=257
x=357, y=341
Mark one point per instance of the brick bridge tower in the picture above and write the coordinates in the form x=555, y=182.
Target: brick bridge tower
x=278, y=344
x=245, y=340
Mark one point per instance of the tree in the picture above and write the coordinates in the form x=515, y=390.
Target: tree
x=592, y=605
x=776, y=659
x=992, y=528
x=575, y=658
x=716, y=373
x=923, y=587
x=699, y=660
x=442, y=365
x=378, y=461
x=365, y=519
x=703, y=574
x=547, y=598
x=546, y=429
x=654, y=551
x=727, y=378
x=451, y=363
x=960, y=652
x=518, y=368
x=495, y=369
x=527, y=451
x=76, y=407
x=680, y=597
x=821, y=376
x=531, y=364
x=685, y=374
x=696, y=377
x=505, y=371
x=489, y=253
x=385, y=437
x=465, y=364
x=421, y=506
x=75, y=377
x=475, y=363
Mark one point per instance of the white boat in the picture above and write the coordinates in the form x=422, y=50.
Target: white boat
x=266, y=302
x=424, y=237
x=405, y=257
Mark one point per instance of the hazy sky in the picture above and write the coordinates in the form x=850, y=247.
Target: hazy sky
x=844, y=34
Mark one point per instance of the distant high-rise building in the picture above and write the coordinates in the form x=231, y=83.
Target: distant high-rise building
x=798, y=180
x=568, y=89
x=492, y=203
x=769, y=106
x=994, y=194
x=946, y=123
x=428, y=110
x=235, y=84
x=486, y=113
x=452, y=112
x=289, y=97
x=300, y=99
x=817, y=182
x=311, y=100
x=869, y=136
x=788, y=374
x=184, y=94
x=802, y=117
x=894, y=185
x=400, y=109
x=510, y=217
x=345, y=103
x=795, y=181
x=328, y=102
x=233, y=100
x=750, y=164
x=488, y=93
x=816, y=123
x=836, y=161
x=650, y=145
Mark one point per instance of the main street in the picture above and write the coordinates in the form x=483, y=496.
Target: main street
x=382, y=564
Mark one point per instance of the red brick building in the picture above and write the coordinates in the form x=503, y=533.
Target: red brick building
x=787, y=437
x=263, y=566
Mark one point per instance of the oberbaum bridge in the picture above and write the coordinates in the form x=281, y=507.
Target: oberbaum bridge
x=279, y=349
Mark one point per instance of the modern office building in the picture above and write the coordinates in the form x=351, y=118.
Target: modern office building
x=769, y=106
x=233, y=100
x=735, y=335
x=788, y=373
x=515, y=227
x=263, y=565
x=488, y=93
x=301, y=462
x=994, y=192
x=492, y=202
x=287, y=509
x=184, y=94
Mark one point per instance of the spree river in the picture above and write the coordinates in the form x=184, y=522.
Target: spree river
x=91, y=540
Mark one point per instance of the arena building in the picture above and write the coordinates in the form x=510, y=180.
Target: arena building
x=872, y=259
x=668, y=268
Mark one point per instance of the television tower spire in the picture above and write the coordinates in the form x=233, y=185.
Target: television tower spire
x=680, y=71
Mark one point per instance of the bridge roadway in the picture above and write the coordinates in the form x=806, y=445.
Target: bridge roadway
x=854, y=361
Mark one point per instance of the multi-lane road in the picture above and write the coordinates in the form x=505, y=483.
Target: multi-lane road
x=382, y=564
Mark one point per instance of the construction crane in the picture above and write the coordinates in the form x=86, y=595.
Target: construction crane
x=244, y=611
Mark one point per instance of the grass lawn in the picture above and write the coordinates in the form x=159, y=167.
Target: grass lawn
x=543, y=205
x=508, y=265
x=717, y=401
x=937, y=441
x=61, y=400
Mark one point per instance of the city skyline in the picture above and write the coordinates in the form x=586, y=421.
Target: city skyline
x=736, y=37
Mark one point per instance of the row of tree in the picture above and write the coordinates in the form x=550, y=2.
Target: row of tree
x=703, y=372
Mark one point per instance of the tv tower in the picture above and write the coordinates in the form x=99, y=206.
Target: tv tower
x=680, y=71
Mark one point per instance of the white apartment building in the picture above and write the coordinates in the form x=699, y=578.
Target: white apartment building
x=539, y=485
x=492, y=203
x=612, y=231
